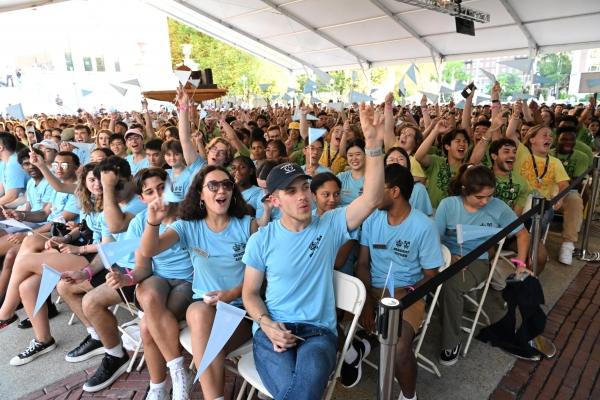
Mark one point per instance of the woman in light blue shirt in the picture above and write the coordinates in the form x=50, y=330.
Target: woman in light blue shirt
x=354, y=179
x=471, y=202
x=214, y=228
x=243, y=171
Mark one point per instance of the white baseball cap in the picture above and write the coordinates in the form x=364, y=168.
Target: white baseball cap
x=51, y=144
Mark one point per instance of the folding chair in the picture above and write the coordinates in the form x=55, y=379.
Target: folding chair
x=485, y=286
x=350, y=295
x=185, y=338
x=122, y=327
x=434, y=369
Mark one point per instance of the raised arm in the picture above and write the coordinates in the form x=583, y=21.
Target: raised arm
x=496, y=103
x=589, y=110
x=111, y=124
x=487, y=138
x=425, y=111
x=53, y=181
x=535, y=112
x=116, y=220
x=373, y=127
x=304, y=123
x=148, y=120
x=232, y=137
x=388, y=133
x=421, y=155
x=526, y=112
x=152, y=243
x=189, y=151
x=466, y=122
x=511, y=130
x=92, y=122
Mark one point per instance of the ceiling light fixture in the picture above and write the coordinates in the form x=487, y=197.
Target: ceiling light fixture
x=450, y=7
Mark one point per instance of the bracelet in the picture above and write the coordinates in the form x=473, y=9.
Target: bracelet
x=492, y=107
x=152, y=224
x=389, y=107
x=260, y=318
x=183, y=108
x=495, y=101
x=89, y=271
x=452, y=112
x=85, y=251
x=486, y=139
x=410, y=289
x=113, y=119
x=424, y=110
x=23, y=218
x=373, y=153
x=533, y=110
x=130, y=276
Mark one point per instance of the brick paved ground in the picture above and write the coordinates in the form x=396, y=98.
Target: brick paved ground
x=574, y=326
x=132, y=386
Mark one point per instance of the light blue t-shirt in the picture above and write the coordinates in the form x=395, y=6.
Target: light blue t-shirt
x=13, y=176
x=93, y=222
x=251, y=194
x=320, y=169
x=37, y=193
x=299, y=268
x=419, y=199
x=412, y=246
x=181, y=184
x=62, y=202
x=451, y=211
x=84, y=156
x=136, y=167
x=217, y=257
x=260, y=210
x=173, y=263
x=351, y=188
x=134, y=206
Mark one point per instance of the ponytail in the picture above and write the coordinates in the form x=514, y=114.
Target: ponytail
x=470, y=179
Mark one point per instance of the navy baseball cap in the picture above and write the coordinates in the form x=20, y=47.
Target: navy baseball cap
x=283, y=175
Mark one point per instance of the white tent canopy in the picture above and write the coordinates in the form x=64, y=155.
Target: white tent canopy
x=339, y=34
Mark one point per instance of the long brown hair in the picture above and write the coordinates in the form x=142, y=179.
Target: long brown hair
x=470, y=179
x=532, y=132
x=190, y=206
x=87, y=202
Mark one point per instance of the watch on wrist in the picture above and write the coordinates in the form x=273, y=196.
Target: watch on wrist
x=373, y=153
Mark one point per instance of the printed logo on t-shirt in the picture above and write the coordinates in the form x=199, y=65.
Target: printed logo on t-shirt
x=401, y=248
x=314, y=245
x=238, y=251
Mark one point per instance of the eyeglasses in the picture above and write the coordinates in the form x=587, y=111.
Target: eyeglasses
x=26, y=164
x=214, y=186
x=220, y=153
x=63, y=165
x=407, y=134
x=392, y=160
x=133, y=137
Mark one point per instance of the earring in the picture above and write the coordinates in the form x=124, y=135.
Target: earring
x=202, y=205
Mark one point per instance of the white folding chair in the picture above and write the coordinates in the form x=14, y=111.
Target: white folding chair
x=123, y=331
x=485, y=286
x=185, y=338
x=350, y=295
x=434, y=369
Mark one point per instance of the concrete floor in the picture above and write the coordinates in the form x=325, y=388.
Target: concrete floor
x=474, y=377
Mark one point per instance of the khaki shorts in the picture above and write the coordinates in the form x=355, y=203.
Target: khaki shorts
x=414, y=315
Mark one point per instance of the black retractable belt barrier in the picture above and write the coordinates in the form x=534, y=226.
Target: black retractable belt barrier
x=585, y=254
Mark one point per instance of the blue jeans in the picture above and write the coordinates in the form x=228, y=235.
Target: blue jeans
x=301, y=372
x=546, y=219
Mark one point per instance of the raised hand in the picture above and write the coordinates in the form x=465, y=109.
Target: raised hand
x=182, y=96
x=157, y=211
x=372, y=123
x=389, y=98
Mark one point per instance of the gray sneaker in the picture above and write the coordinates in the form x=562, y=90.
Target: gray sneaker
x=182, y=379
x=158, y=394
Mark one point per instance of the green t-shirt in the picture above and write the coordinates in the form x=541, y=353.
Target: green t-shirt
x=435, y=151
x=582, y=147
x=520, y=190
x=300, y=157
x=245, y=152
x=585, y=136
x=486, y=160
x=437, y=173
x=576, y=165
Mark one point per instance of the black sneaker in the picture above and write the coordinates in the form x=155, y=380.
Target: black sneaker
x=450, y=357
x=87, y=349
x=109, y=370
x=34, y=350
x=7, y=323
x=352, y=372
x=26, y=323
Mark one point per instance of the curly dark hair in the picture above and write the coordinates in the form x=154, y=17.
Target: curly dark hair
x=190, y=206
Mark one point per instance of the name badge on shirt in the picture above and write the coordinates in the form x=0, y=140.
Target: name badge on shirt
x=345, y=192
x=201, y=252
x=380, y=246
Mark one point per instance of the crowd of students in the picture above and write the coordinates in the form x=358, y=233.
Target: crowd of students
x=259, y=217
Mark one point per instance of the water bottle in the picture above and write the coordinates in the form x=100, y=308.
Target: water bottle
x=56, y=215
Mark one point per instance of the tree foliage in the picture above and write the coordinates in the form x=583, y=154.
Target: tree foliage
x=556, y=66
x=509, y=82
x=455, y=71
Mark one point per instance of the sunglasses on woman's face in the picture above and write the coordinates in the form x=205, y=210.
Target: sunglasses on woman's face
x=214, y=186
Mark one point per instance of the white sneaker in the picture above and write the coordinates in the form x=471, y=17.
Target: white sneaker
x=182, y=379
x=565, y=255
x=158, y=394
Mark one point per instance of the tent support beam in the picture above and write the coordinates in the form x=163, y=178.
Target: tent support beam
x=517, y=19
x=313, y=30
x=405, y=26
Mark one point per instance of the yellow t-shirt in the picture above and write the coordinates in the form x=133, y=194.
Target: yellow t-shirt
x=524, y=167
x=415, y=168
x=338, y=163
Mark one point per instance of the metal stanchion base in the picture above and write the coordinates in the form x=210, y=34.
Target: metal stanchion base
x=589, y=256
x=576, y=252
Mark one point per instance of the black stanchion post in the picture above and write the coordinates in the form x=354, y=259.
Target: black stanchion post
x=536, y=230
x=389, y=315
x=585, y=254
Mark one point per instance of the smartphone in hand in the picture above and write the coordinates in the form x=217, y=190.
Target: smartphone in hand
x=468, y=90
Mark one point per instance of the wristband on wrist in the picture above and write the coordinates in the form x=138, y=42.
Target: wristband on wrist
x=261, y=317
x=492, y=107
x=373, y=153
x=486, y=139
x=183, y=108
x=410, y=289
x=130, y=276
x=495, y=101
x=89, y=271
x=152, y=224
x=23, y=215
x=424, y=110
x=389, y=107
